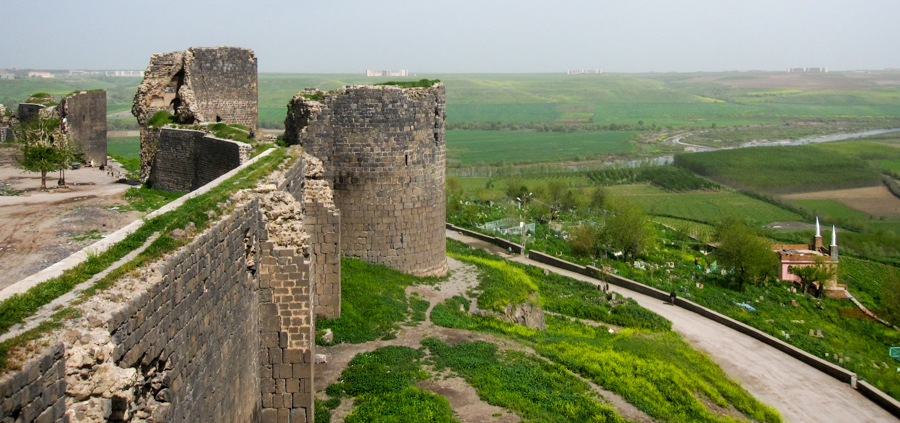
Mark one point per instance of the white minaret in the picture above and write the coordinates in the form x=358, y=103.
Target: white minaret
x=817, y=241
x=833, y=249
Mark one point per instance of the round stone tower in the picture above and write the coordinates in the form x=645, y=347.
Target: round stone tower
x=383, y=148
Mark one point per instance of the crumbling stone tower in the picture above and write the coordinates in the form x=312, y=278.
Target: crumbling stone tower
x=383, y=147
x=83, y=118
x=198, y=85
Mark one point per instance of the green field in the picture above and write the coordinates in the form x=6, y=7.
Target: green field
x=831, y=209
x=782, y=170
x=127, y=147
x=702, y=206
x=120, y=91
x=482, y=147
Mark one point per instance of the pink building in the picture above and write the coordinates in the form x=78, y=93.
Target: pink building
x=803, y=255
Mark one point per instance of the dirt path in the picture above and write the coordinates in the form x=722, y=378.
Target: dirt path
x=799, y=392
x=463, y=397
x=37, y=229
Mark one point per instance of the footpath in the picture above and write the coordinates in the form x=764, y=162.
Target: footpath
x=799, y=392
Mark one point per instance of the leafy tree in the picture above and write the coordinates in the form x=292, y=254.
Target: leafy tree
x=748, y=255
x=817, y=274
x=598, y=198
x=45, y=149
x=628, y=228
x=890, y=298
x=583, y=239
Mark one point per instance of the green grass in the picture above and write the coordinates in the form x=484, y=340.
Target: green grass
x=534, y=389
x=373, y=302
x=490, y=147
x=654, y=370
x=16, y=308
x=703, y=206
x=383, y=384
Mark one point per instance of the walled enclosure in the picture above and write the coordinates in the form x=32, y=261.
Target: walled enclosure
x=187, y=160
x=220, y=330
x=83, y=118
x=197, y=85
x=383, y=147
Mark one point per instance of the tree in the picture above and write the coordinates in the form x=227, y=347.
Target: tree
x=817, y=274
x=628, y=228
x=583, y=239
x=890, y=298
x=41, y=151
x=748, y=255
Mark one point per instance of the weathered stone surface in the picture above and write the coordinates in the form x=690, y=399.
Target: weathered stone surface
x=197, y=85
x=83, y=118
x=383, y=149
x=186, y=160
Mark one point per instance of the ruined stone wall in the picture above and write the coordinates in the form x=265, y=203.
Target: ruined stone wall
x=199, y=326
x=84, y=115
x=27, y=111
x=322, y=221
x=223, y=82
x=174, y=166
x=186, y=159
x=287, y=335
x=216, y=157
x=197, y=85
x=221, y=330
x=383, y=148
x=37, y=392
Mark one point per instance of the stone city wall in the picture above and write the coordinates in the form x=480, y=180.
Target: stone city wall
x=37, y=392
x=323, y=223
x=83, y=116
x=221, y=330
x=186, y=159
x=198, y=85
x=383, y=149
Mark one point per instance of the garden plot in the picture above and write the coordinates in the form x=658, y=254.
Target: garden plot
x=876, y=201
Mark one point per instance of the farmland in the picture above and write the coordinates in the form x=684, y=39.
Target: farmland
x=781, y=170
x=703, y=206
x=479, y=147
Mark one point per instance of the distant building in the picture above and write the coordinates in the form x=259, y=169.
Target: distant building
x=399, y=72
x=7, y=75
x=584, y=71
x=808, y=70
x=802, y=255
x=125, y=73
x=40, y=74
x=80, y=73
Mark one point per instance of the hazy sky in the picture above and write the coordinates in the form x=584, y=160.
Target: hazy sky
x=468, y=36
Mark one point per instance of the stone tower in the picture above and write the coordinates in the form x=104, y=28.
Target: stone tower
x=198, y=85
x=383, y=148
